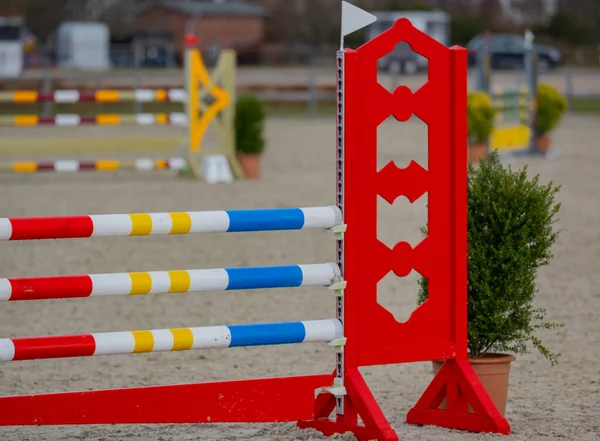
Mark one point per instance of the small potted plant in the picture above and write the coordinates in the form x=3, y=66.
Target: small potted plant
x=551, y=106
x=510, y=235
x=249, y=137
x=480, y=117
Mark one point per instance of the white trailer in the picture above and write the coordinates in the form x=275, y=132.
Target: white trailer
x=83, y=45
x=435, y=23
x=11, y=47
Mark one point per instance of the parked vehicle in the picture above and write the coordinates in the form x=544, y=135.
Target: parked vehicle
x=508, y=52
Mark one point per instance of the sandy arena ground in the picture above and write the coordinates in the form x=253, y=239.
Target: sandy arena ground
x=561, y=403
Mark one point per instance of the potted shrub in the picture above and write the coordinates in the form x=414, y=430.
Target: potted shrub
x=249, y=137
x=551, y=106
x=480, y=117
x=510, y=235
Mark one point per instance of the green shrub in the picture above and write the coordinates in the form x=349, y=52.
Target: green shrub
x=510, y=235
x=551, y=106
x=480, y=116
x=249, y=125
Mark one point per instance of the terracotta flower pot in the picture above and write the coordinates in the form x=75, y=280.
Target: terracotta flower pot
x=493, y=371
x=477, y=152
x=250, y=164
x=542, y=143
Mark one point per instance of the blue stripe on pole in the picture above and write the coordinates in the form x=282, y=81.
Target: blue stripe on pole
x=267, y=334
x=264, y=277
x=265, y=220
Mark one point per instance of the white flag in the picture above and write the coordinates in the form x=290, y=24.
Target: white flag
x=354, y=18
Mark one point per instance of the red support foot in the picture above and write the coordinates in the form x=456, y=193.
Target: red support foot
x=458, y=384
x=359, y=402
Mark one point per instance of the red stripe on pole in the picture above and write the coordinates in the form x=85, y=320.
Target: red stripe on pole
x=68, y=346
x=87, y=96
x=42, y=97
x=87, y=165
x=51, y=228
x=45, y=166
x=45, y=288
x=46, y=120
x=88, y=120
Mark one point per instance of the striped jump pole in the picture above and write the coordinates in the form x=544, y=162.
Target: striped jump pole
x=99, y=96
x=73, y=165
x=166, y=340
x=107, y=119
x=146, y=224
x=168, y=282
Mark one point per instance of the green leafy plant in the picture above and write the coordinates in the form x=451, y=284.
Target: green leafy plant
x=249, y=125
x=480, y=117
x=551, y=107
x=510, y=235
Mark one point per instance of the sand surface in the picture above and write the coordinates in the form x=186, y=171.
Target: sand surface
x=561, y=403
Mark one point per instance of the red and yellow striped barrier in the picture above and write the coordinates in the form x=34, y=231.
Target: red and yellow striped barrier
x=98, y=96
x=72, y=165
x=103, y=119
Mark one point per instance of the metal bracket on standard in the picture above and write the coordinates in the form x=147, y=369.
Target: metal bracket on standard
x=338, y=231
x=337, y=390
x=338, y=344
x=339, y=287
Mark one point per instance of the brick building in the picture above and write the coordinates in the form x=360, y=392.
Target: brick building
x=225, y=24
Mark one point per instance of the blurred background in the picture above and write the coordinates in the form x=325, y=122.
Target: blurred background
x=285, y=47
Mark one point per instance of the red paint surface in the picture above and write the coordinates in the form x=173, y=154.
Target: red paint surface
x=87, y=119
x=87, y=96
x=51, y=228
x=40, y=288
x=45, y=166
x=87, y=165
x=54, y=347
x=42, y=97
x=458, y=384
x=264, y=400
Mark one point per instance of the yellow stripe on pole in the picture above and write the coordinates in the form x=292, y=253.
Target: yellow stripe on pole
x=183, y=339
x=24, y=167
x=182, y=223
x=26, y=120
x=107, y=165
x=141, y=284
x=180, y=281
x=144, y=341
x=25, y=96
x=160, y=95
x=161, y=118
x=107, y=96
x=141, y=224
x=161, y=164
x=108, y=119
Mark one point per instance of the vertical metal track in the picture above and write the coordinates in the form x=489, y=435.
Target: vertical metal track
x=340, y=204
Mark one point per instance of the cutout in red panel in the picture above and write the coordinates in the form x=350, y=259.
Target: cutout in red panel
x=402, y=143
x=402, y=66
x=399, y=295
